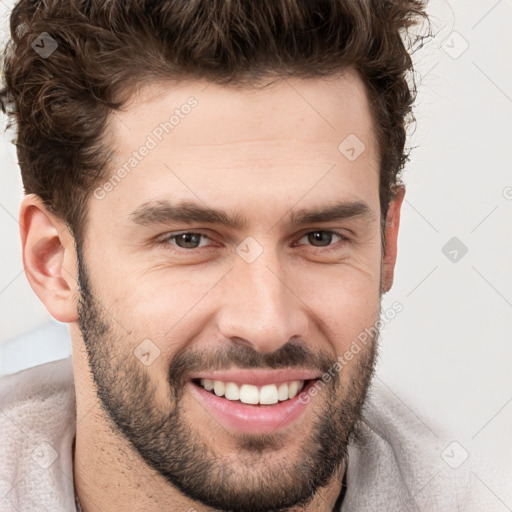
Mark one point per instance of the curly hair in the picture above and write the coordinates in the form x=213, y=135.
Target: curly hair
x=102, y=51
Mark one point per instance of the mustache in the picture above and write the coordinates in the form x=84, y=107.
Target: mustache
x=291, y=355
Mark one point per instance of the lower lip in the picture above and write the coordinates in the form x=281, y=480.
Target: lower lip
x=253, y=419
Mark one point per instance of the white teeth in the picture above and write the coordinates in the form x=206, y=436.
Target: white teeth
x=293, y=388
x=219, y=387
x=282, y=393
x=232, y=391
x=268, y=394
x=207, y=384
x=249, y=394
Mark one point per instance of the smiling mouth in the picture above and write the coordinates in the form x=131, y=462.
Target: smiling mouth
x=249, y=394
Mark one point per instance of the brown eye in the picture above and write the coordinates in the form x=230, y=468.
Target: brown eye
x=321, y=238
x=187, y=240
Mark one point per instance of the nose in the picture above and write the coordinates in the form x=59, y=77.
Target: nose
x=259, y=307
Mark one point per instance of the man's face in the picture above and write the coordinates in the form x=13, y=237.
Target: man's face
x=265, y=296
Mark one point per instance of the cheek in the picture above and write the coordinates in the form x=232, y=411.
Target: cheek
x=166, y=306
x=344, y=302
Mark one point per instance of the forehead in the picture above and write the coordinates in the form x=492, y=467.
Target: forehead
x=196, y=140
x=286, y=107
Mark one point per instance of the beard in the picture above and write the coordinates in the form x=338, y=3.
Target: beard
x=263, y=476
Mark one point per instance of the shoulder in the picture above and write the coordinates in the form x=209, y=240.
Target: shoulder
x=36, y=384
x=37, y=421
x=397, y=458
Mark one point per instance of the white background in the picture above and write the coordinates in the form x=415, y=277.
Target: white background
x=449, y=352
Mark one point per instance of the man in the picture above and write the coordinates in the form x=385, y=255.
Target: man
x=212, y=205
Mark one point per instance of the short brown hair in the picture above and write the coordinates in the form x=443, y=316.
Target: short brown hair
x=106, y=50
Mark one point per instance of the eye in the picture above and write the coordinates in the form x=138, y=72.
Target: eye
x=322, y=238
x=187, y=240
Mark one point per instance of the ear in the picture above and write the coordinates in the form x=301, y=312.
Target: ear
x=391, y=234
x=49, y=258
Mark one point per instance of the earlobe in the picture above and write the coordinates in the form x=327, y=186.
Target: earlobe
x=391, y=234
x=48, y=253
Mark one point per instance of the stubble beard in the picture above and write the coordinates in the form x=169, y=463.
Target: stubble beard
x=261, y=480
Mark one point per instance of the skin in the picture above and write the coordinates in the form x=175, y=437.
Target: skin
x=260, y=153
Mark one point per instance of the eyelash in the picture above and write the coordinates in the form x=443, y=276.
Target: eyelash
x=165, y=241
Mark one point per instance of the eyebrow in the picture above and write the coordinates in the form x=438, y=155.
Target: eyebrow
x=162, y=212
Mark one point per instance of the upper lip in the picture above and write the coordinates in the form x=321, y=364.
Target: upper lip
x=257, y=377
